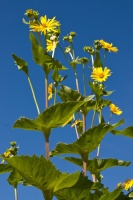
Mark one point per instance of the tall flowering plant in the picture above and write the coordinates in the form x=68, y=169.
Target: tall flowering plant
x=73, y=110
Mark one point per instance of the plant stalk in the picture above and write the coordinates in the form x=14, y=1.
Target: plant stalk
x=46, y=90
x=15, y=193
x=34, y=97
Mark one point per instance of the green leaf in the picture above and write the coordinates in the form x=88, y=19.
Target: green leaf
x=52, y=117
x=97, y=61
x=43, y=175
x=87, y=142
x=75, y=194
x=97, y=165
x=96, y=89
x=38, y=172
x=22, y=65
x=14, y=178
x=68, y=94
x=111, y=195
x=128, y=132
x=42, y=58
x=4, y=168
x=56, y=77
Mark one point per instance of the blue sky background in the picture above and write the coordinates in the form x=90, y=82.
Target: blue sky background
x=100, y=19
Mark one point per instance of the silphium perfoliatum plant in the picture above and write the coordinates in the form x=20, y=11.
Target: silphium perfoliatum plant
x=70, y=106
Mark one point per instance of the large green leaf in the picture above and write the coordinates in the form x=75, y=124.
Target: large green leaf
x=111, y=195
x=97, y=61
x=68, y=94
x=42, y=58
x=42, y=174
x=128, y=132
x=52, y=117
x=97, y=165
x=75, y=194
x=22, y=64
x=14, y=178
x=4, y=168
x=87, y=142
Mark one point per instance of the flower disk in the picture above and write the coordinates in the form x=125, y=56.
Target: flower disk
x=108, y=46
x=115, y=110
x=100, y=75
x=46, y=25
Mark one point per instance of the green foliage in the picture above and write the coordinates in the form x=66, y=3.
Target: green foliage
x=14, y=178
x=87, y=142
x=42, y=58
x=95, y=166
x=42, y=174
x=97, y=61
x=4, y=168
x=128, y=132
x=52, y=117
x=21, y=64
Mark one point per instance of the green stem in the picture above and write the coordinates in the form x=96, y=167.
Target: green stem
x=33, y=93
x=76, y=128
x=93, y=118
x=55, y=92
x=46, y=90
x=110, y=118
x=15, y=193
x=39, y=38
x=84, y=129
x=76, y=78
x=84, y=80
x=92, y=60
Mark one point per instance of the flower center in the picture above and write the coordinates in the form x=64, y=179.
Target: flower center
x=101, y=75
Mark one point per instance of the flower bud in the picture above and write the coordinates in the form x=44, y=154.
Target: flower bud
x=73, y=34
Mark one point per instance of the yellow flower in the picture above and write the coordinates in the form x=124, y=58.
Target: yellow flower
x=115, y=110
x=50, y=91
x=46, y=25
x=128, y=184
x=51, y=45
x=6, y=154
x=100, y=75
x=108, y=46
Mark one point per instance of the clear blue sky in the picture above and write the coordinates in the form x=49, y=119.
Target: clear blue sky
x=100, y=19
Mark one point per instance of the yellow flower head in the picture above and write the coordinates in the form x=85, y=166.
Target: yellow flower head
x=108, y=46
x=115, y=110
x=51, y=45
x=46, y=25
x=100, y=75
x=128, y=184
x=50, y=91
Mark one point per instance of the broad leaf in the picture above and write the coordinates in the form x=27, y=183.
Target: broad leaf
x=52, y=117
x=42, y=58
x=14, y=178
x=87, y=142
x=22, y=65
x=75, y=194
x=68, y=94
x=4, y=168
x=128, y=132
x=97, y=165
x=97, y=61
x=43, y=175
x=111, y=195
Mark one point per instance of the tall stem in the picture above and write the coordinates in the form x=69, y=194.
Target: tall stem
x=15, y=193
x=76, y=128
x=84, y=129
x=47, y=148
x=92, y=60
x=34, y=97
x=46, y=90
x=76, y=78
x=84, y=80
